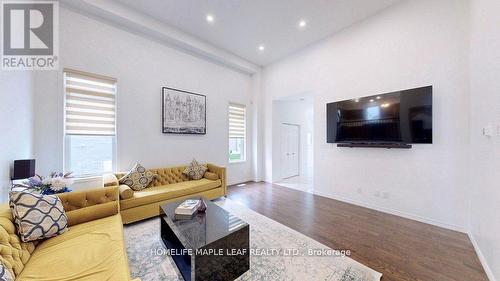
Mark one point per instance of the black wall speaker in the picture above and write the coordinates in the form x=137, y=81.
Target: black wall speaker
x=23, y=169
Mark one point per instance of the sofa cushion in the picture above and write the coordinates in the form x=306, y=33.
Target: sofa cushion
x=169, y=176
x=165, y=192
x=194, y=170
x=138, y=178
x=88, y=205
x=37, y=216
x=93, y=250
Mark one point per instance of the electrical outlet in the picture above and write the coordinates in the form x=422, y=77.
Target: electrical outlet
x=386, y=194
x=488, y=131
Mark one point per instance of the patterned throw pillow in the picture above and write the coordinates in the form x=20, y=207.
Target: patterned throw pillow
x=5, y=274
x=194, y=170
x=37, y=216
x=138, y=178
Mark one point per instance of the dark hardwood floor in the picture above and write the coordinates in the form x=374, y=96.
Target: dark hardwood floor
x=400, y=248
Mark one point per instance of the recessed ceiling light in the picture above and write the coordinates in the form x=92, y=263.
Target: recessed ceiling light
x=385, y=105
x=356, y=100
x=261, y=48
x=210, y=18
x=378, y=97
x=302, y=23
x=372, y=100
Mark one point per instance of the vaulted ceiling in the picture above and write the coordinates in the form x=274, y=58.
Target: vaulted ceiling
x=241, y=26
x=243, y=34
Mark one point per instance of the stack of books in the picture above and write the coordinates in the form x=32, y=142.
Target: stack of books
x=187, y=208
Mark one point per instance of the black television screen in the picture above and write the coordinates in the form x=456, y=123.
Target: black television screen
x=397, y=117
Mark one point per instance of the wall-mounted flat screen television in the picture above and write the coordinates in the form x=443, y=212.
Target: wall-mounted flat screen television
x=397, y=117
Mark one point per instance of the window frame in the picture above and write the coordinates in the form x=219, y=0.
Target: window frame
x=66, y=152
x=244, y=138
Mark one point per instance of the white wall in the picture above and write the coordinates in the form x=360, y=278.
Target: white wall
x=257, y=128
x=485, y=151
x=142, y=67
x=16, y=123
x=298, y=113
x=415, y=43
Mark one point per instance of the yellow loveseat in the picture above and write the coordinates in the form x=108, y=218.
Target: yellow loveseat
x=169, y=185
x=92, y=249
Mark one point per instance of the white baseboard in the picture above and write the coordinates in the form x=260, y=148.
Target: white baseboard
x=481, y=257
x=238, y=182
x=395, y=212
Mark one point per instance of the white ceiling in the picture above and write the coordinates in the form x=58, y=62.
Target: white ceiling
x=242, y=25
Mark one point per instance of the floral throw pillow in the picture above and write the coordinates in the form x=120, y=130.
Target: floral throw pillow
x=37, y=216
x=194, y=170
x=138, y=178
x=5, y=274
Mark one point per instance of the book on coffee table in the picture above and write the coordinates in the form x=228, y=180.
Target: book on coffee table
x=185, y=217
x=187, y=208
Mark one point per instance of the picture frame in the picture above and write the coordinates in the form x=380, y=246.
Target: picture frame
x=183, y=112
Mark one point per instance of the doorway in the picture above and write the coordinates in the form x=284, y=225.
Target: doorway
x=293, y=142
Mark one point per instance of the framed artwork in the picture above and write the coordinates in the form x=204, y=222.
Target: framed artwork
x=183, y=112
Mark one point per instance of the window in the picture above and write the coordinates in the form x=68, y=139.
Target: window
x=90, y=123
x=237, y=133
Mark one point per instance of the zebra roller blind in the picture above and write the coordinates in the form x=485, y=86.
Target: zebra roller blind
x=90, y=106
x=237, y=126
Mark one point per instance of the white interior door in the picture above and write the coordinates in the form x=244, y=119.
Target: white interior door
x=289, y=150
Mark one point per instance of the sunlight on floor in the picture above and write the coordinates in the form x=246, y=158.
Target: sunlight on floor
x=302, y=183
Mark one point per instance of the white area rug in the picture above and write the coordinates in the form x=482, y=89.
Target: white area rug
x=294, y=261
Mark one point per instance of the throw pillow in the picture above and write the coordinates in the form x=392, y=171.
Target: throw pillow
x=211, y=176
x=37, y=216
x=194, y=170
x=138, y=178
x=5, y=274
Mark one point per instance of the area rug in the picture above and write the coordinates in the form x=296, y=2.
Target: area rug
x=281, y=253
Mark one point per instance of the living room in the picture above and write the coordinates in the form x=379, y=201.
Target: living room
x=228, y=84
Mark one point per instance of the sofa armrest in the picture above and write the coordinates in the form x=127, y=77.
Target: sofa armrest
x=110, y=180
x=221, y=172
x=92, y=204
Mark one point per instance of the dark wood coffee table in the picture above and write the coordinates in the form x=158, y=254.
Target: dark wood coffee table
x=213, y=245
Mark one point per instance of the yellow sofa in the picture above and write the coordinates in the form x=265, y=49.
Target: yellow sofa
x=169, y=185
x=93, y=248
